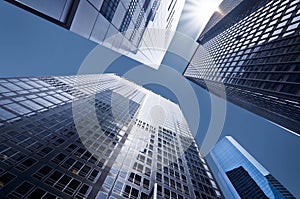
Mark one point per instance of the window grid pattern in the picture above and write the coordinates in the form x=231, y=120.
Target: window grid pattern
x=43, y=156
x=117, y=24
x=128, y=15
x=70, y=170
x=108, y=9
x=163, y=159
x=256, y=57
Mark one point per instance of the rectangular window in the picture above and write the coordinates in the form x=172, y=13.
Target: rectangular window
x=109, y=8
x=6, y=178
x=63, y=182
x=94, y=175
x=17, y=108
x=42, y=172
x=44, y=151
x=26, y=164
x=59, y=158
x=53, y=178
x=72, y=187
x=5, y=115
x=21, y=190
x=146, y=183
x=68, y=163
x=84, y=191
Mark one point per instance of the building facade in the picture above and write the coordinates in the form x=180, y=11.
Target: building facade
x=253, y=50
x=141, y=29
x=96, y=136
x=224, y=8
x=242, y=175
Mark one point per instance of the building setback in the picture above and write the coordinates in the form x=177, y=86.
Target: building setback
x=241, y=175
x=253, y=49
x=244, y=184
x=141, y=30
x=96, y=136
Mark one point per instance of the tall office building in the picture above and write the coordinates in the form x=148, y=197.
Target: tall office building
x=96, y=136
x=224, y=8
x=141, y=29
x=253, y=49
x=241, y=175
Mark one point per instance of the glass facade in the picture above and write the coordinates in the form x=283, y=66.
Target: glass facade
x=51, y=146
x=58, y=11
x=254, y=52
x=244, y=184
x=133, y=28
x=242, y=175
x=226, y=7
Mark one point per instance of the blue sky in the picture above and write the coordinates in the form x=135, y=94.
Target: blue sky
x=31, y=46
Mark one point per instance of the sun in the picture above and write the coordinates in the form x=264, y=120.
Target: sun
x=196, y=14
x=212, y=6
x=203, y=9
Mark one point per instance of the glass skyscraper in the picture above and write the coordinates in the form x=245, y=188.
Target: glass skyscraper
x=96, y=136
x=242, y=175
x=252, y=48
x=225, y=7
x=141, y=30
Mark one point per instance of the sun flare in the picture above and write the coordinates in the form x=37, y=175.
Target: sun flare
x=196, y=13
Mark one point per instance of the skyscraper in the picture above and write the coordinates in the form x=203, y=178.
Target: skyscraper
x=225, y=8
x=141, y=30
x=242, y=175
x=253, y=50
x=96, y=136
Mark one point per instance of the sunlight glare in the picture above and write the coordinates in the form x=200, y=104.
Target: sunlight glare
x=197, y=13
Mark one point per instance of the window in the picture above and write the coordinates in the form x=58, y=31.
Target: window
x=108, y=182
x=40, y=193
x=5, y=115
x=76, y=167
x=146, y=183
x=37, y=193
x=68, y=163
x=118, y=187
x=21, y=190
x=52, y=179
x=62, y=183
x=44, y=151
x=135, y=178
x=147, y=171
x=42, y=172
x=84, y=191
x=15, y=159
x=166, y=180
x=59, y=158
x=186, y=190
x=130, y=192
x=58, y=142
x=108, y=9
x=26, y=164
x=6, y=178
x=17, y=108
x=94, y=175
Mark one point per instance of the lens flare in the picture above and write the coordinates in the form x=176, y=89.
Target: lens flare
x=196, y=14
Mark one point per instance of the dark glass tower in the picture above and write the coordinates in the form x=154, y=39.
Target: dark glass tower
x=225, y=8
x=96, y=136
x=278, y=189
x=244, y=184
x=241, y=176
x=253, y=49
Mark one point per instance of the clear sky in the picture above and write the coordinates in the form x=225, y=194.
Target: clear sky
x=31, y=46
